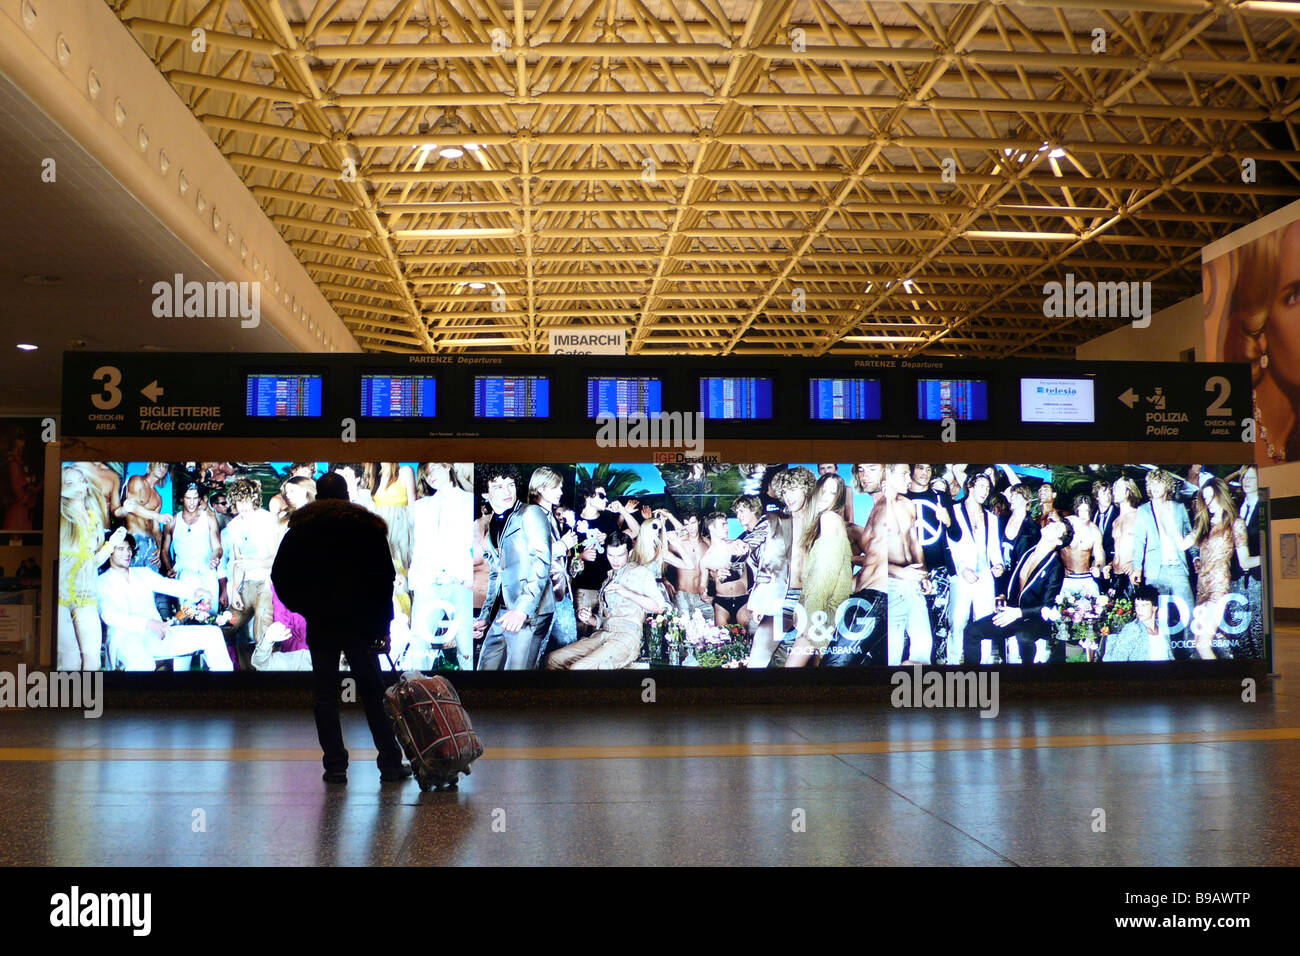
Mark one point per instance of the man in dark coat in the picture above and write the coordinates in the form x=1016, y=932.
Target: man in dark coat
x=334, y=568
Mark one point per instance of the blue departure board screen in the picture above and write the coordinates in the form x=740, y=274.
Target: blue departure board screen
x=736, y=398
x=844, y=399
x=512, y=396
x=623, y=397
x=283, y=396
x=963, y=400
x=399, y=396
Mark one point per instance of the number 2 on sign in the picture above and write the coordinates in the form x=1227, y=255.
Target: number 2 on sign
x=1224, y=388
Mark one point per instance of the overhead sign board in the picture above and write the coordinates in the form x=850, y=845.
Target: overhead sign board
x=317, y=395
x=573, y=340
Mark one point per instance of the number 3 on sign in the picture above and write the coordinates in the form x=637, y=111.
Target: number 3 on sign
x=110, y=377
x=1221, y=385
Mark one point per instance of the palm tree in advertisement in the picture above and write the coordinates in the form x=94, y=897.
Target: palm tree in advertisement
x=617, y=482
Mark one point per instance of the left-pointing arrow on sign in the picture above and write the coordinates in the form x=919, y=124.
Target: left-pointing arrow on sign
x=152, y=391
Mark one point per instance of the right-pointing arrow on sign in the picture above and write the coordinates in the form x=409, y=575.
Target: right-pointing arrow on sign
x=1129, y=398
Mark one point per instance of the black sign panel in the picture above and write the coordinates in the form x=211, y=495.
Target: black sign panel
x=1179, y=402
x=320, y=396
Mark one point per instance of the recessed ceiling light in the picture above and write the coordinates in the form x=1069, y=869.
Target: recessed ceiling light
x=451, y=152
x=42, y=280
x=27, y=346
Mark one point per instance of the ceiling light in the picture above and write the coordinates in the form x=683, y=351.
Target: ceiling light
x=1019, y=235
x=27, y=347
x=473, y=147
x=449, y=128
x=478, y=284
x=884, y=338
x=1057, y=153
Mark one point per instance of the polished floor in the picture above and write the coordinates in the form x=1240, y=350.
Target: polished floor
x=1180, y=781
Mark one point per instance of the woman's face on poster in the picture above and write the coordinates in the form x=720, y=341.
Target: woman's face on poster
x=1283, y=329
x=1250, y=482
x=826, y=497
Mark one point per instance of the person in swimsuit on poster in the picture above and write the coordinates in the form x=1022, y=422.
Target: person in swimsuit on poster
x=143, y=512
x=860, y=623
x=195, y=542
x=1127, y=498
x=692, y=581
x=1085, y=558
x=724, y=562
x=908, y=616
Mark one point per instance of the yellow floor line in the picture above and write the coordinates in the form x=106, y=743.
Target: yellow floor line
x=661, y=752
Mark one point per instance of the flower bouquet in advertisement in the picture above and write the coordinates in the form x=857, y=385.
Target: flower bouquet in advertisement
x=199, y=612
x=715, y=645
x=1081, y=618
x=675, y=640
x=1119, y=611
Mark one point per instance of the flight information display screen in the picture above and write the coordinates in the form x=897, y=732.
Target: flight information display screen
x=844, y=399
x=512, y=396
x=399, y=396
x=736, y=398
x=963, y=400
x=1057, y=401
x=622, y=397
x=283, y=396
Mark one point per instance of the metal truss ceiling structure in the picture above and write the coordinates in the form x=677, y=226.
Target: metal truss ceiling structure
x=741, y=176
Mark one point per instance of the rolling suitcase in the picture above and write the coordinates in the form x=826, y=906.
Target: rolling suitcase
x=433, y=729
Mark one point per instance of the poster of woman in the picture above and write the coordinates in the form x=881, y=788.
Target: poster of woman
x=1251, y=291
x=23, y=478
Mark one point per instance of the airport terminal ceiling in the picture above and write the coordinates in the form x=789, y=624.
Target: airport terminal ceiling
x=736, y=177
